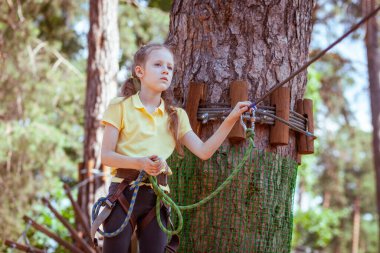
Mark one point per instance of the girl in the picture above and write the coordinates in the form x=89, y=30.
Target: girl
x=141, y=131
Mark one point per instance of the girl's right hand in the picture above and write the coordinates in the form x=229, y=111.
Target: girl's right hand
x=238, y=110
x=151, y=165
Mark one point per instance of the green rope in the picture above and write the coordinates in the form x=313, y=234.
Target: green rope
x=162, y=196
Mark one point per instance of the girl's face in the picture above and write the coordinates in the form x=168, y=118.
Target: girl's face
x=157, y=73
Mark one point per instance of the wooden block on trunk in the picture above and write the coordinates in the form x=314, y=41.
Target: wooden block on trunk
x=197, y=93
x=238, y=92
x=279, y=133
x=305, y=144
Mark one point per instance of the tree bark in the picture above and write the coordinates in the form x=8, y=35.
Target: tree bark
x=102, y=67
x=261, y=42
x=373, y=58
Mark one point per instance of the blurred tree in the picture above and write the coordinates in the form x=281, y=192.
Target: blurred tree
x=341, y=181
x=139, y=26
x=40, y=105
x=42, y=79
x=102, y=68
x=373, y=60
x=342, y=161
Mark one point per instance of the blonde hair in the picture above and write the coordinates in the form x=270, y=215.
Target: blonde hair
x=132, y=85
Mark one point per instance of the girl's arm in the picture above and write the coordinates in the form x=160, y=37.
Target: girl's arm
x=112, y=159
x=204, y=150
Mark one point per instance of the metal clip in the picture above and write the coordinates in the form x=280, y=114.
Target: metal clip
x=249, y=116
x=204, y=118
x=109, y=204
x=242, y=123
x=253, y=117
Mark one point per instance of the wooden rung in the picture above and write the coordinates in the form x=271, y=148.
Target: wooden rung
x=22, y=247
x=305, y=144
x=81, y=220
x=280, y=99
x=75, y=235
x=81, y=190
x=238, y=92
x=197, y=93
x=52, y=235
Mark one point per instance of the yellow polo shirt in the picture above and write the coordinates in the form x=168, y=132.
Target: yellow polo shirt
x=140, y=132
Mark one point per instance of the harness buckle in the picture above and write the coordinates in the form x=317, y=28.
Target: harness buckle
x=109, y=204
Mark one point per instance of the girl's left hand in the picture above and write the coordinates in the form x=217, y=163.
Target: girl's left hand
x=238, y=110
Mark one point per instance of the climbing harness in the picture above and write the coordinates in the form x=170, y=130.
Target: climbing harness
x=104, y=201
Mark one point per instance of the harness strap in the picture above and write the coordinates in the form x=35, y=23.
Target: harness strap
x=147, y=219
x=125, y=205
x=173, y=244
x=99, y=221
x=110, y=203
x=119, y=191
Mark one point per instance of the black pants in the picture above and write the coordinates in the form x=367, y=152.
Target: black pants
x=151, y=240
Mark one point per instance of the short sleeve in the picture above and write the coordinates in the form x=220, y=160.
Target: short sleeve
x=114, y=114
x=184, y=123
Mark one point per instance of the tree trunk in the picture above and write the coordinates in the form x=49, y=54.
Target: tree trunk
x=218, y=43
x=373, y=58
x=261, y=42
x=356, y=225
x=102, y=67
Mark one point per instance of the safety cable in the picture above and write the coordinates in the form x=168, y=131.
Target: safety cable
x=318, y=56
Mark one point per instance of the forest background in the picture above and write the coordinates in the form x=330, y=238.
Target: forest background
x=43, y=56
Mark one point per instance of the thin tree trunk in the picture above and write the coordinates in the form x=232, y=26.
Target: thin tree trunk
x=326, y=199
x=356, y=226
x=217, y=42
x=373, y=58
x=102, y=67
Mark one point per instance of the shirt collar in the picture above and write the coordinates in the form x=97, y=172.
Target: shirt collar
x=139, y=105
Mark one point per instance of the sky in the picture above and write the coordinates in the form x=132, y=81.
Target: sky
x=354, y=50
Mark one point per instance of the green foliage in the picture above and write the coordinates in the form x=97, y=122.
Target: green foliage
x=317, y=227
x=43, y=215
x=41, y=107
x=164, y=5
x=313, y=86
x=139, y=27
x=42, y=79
x=341, y=170
x=368, y=234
